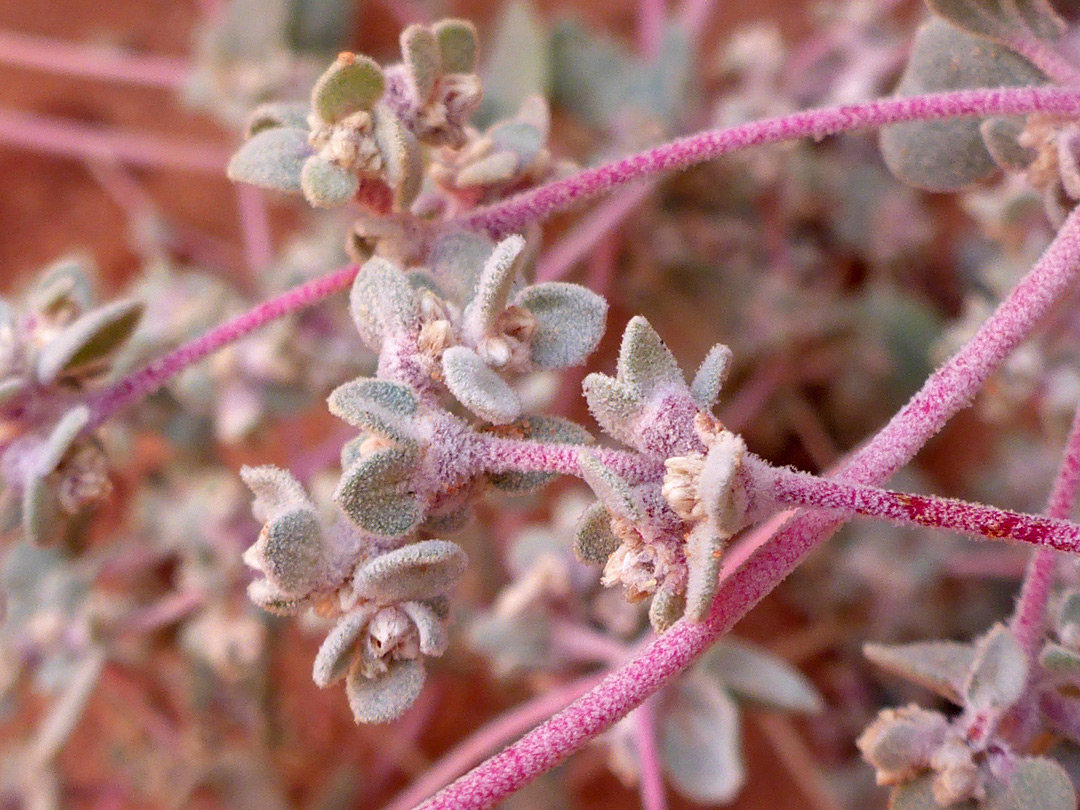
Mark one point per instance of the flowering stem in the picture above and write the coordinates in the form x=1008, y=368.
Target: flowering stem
x=488, y=737
x=156, y=373
x=652, y=774
x=1030, y=614
x=743, y=585
x=73, y=140
x=802, y=489
x=92, y=62
x=513, y=214
x=498, y=454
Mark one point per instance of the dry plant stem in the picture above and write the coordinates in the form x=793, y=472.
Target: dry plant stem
x=947, y=391
x=488, y=737
x=152, y=376
x=652, y=774
x=74, y=140
x=502, y=218
x=583, y=237
x=793, y=488
x=92, y=62
x=1030, y=615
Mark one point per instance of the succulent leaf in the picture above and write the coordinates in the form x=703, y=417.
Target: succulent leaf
x=403, y=162
x=940, y=666
x=88, y=339
x=457, y=45
x=479, y=388
x=667, y=607
x=645, y=362
x=412, y=573
x=433, y=638
x=756, y=675
x=710, y=376
x=998, y=673
x=1037, y=783
x=326, y=184
x=277, y=114
x=338, y=648
x=276, y=491
x=594, y=541
x=569, y=323
x=273, y=158
x=610, y=488
x=383, y=699
x=382, y=303
x=374, y=493
x=423, y=62
x=493, y=287
x=351, y=84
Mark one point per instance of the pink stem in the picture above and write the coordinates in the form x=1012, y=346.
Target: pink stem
x=650, y=27
x=947, y=391
x=693, y=16
x=793, y=488
x=498, y=454
x=1029, y=618
x=91, y=61
x=588, y=645
x=513, y=214
x=255, y=227
x=487, y=738
x=156, y=373
x=587, y=234
x=73, y=140
x=652, y=771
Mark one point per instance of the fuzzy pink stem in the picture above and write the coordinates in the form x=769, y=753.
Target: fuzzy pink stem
x=513, y=214
x=652, y=771
x=1029, y=617
x=802, y=489
x=650, y=27
x=156, y=373
x=487, y=738
x=585, y=644
x=73, y=140
x=499, y=454
x=588, y=233
x=91, y=61
x=947, y=391
x=255, y=227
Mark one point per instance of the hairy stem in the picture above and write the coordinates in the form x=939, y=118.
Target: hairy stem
x=793, y=488
x=73, y=140
x=156, y=373
x=652, y=772
x=757, y=573
x=1030, y=615
x=513, y=214
x=487, y=738
x=500, y=454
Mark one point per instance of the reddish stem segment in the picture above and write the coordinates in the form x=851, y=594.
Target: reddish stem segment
x=513, y=214
x=947, y=391
x=1029, y=618
x=152, y=376
x=652, y=770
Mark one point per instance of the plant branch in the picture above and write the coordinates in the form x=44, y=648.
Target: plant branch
x=744, y=583
x=652, y=772
x=1030, y=615
x=145, y=381
x=500, y=454
x=508, y=216
x=73, y=140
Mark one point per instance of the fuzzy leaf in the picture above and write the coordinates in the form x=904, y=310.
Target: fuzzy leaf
x=326, y=184
x=1036, y=784
x=756, y=675
x=992, y=18
x=40, y=511
x=338, y=648
x=382, y=303
x=594, y=541
x=919, y=795
x=518, y=64
x=645, y=362
x=272, y=158
x=402, y=158
x=496, y=168
x=614, y=405
x=479, y=388
x=720, y=488
x=456, y=257
x=998, y=673
x=411, y=573
x=901, y=741
x=1001, y=138
x=666, y=608
x=63, y=435
x=949, y=155
x=610, y=488
x=264, y=595
x=1061, y=661
x=277, y=114
x=710, y=377
x=276, y=491
x=493, y=287
x=88, y=339
x=374, y=493
x=423, y=62
x=384, y=699
x=521, y=138
x=940, y=666
x=457, y=45
x=433, y=639
x=569, y=323
x=351, y=84
x=704, y=551
x=548, y=429
x=381, y=407
x=64, y=283
x=290, y=549
x=700, y=741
